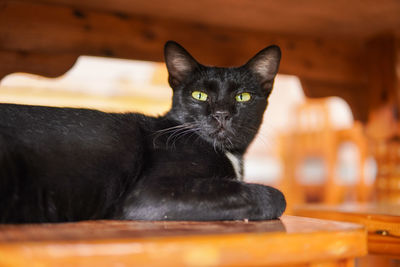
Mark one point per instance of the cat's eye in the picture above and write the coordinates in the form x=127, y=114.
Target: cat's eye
x=201, y=96
x=243, y=97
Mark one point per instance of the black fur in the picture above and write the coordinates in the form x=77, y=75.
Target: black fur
x=63, y=164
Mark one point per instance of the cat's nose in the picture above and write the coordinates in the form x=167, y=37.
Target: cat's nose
x=221, y=115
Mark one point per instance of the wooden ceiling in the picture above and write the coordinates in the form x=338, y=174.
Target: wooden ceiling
x=331, y=18
x=340, y=48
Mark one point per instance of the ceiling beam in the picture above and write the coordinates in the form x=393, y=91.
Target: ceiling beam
x=29, y=28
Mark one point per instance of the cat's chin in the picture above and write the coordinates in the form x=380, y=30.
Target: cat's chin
x=220, y=135
x=220, y=139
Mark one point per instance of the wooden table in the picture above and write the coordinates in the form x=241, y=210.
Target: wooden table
x=289, y=241
x=382, y=223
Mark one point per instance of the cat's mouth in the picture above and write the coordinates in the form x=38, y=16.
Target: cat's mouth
x=220, y=134
x=220, y=130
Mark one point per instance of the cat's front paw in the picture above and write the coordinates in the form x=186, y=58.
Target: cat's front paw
x=269, y=203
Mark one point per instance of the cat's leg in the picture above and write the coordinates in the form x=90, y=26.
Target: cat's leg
x=165, y=198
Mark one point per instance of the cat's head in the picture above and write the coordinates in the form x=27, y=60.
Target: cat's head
x=224, y=105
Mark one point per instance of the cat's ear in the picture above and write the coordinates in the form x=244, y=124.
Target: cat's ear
x=179, y=63
x=265, y=65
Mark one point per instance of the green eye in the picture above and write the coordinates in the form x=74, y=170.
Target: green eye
x=243, y=97
x=199, y=95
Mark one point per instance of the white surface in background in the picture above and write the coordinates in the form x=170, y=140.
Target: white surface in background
x=311, y=171
x=261, y=163
x=99, y=76
x=370, y=170
x=340, y=113
x=265, y=169
x=285, y=96
x=348, y=164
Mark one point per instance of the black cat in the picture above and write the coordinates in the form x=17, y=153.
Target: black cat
x=64, y=164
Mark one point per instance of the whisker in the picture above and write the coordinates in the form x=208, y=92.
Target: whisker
x=173, y=134
x=166, y=130
x=176, y=134
x=194, y=132
x=183, y=134
x=214, y=145
x=180, y=134
x=229, y=140
x=173, y=129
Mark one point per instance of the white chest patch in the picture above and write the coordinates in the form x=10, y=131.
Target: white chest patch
x=236, y=164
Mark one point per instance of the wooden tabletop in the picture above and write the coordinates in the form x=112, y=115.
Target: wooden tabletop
x=104, y=243
x=381, y=220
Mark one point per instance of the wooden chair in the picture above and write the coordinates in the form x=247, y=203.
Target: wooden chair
x=310, y=158
x=387, y=184
x=383, y=129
